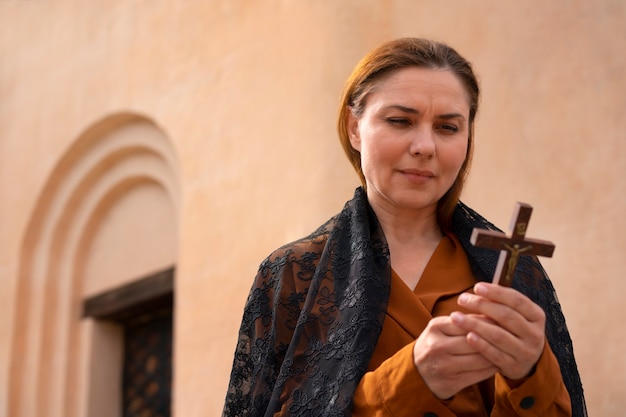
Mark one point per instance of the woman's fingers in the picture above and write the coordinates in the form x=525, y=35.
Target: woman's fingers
x=512, y=298
x=511, y=310
x=491, y=332
x=508, y=328
x=513, y=357
x=445, y=359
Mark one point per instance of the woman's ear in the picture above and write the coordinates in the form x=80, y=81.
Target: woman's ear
x=353, y=131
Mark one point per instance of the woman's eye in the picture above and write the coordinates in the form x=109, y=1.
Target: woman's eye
x=398, y=121
x=448, y=128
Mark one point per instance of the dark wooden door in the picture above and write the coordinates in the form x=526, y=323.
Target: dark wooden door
x=144, y=308
x=147, y=376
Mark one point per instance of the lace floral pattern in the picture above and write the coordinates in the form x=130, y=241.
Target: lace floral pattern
x=316, y=309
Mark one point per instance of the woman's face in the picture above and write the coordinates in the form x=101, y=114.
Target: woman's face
x=412, y=137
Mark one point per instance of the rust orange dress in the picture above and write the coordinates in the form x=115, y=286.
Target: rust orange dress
x=393, y=387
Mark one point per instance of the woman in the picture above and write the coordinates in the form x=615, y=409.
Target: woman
x=386, y=309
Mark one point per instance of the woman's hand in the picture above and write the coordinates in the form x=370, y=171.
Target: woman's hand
x=513, y=336
x=445, y=359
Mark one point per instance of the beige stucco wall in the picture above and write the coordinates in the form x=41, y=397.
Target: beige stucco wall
x=246, y=93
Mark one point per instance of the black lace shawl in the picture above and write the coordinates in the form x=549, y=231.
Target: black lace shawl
x=316, y=309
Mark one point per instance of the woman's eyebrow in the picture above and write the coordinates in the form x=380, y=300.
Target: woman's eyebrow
x=411, y=110
x=403, y=108
x=449, y=116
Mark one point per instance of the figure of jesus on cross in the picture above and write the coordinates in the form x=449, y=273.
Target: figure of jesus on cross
x=511, y=248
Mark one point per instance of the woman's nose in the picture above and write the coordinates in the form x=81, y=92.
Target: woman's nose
x=422, y=142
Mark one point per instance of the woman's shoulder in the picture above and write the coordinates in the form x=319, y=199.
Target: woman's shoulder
x=316, y=240
x=313, y=243
x=290, y=268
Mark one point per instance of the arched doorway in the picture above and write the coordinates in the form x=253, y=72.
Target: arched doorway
x=107, y=217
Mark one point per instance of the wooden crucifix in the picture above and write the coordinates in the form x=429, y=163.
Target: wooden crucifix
x=511, y=247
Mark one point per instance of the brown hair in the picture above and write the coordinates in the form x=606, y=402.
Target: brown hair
x=402, y=53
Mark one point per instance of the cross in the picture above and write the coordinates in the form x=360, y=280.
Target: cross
x=511, y=247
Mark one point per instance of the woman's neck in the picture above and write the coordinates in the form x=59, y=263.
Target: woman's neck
x=405, y=226
x=412, y=236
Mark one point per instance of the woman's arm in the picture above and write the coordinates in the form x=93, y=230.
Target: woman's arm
x=396, y=389
x=541, y=394
x=508, y=329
